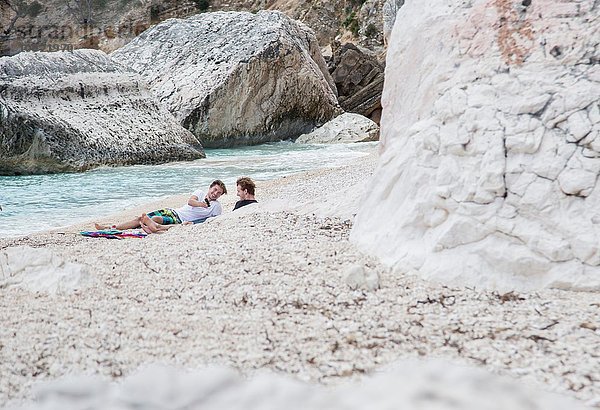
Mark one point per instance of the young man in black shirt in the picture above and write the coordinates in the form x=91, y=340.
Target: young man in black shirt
x=245, y=190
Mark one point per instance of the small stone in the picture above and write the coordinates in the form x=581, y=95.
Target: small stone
x=357, y=277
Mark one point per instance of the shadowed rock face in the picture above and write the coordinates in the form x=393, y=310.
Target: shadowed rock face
x=358, y=77
x=491, y=145
x=62, y=112
x=236, y=78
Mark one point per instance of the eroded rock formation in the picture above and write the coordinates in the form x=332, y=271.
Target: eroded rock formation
x=236, y=78
x=358, y=77
x=490, y=145
x=70, y=111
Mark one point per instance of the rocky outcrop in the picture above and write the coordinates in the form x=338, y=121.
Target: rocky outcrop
x=236, y=78
x=389, y=11
x=72, y=111
x=41, y=270
x=491, y=146
x=344, y=128
x=358, y=77
x=357, y=21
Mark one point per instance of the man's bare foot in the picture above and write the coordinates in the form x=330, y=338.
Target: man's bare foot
x=146, y=220
x=146, y=228
x=101, y=227
x=151, y=226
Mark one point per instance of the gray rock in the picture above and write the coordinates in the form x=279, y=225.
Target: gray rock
x=389, y=11
x=236, y=78
x=345, y=128
x=70, y=111
x=490, y=148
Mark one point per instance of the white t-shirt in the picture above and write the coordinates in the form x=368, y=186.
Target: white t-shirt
x=191, y=213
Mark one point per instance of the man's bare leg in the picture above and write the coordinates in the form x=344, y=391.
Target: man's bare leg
x=134, y=223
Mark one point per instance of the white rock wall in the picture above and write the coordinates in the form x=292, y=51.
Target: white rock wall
x=490, y=145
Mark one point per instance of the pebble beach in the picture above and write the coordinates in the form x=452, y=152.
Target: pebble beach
x=274, y=286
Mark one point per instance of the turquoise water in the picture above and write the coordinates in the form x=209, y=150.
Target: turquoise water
x=38, y=202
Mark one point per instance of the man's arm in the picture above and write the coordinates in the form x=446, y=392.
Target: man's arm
x=194, y=201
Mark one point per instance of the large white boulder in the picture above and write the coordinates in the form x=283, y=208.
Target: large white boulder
x=236, y=78
x=490, y=145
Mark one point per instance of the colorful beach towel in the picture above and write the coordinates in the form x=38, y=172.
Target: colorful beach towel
x=113, y=234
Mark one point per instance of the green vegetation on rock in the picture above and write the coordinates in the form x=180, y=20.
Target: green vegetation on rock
x=351, y=23
x=202, y=5
x=371, y=31
x=34, y=9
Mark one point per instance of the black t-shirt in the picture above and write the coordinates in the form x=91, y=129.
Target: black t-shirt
x=245, y=202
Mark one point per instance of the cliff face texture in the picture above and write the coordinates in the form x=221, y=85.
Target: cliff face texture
x=357, y=21
x=236, y=78
x=491, y=145
x=70, y=111
x=51, y=25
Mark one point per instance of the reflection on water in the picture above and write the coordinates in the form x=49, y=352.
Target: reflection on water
x=36, y=202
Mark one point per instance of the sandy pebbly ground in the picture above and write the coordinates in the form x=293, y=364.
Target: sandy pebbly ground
x=267, y=287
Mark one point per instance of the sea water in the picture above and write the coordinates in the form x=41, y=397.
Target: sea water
x=37, y=202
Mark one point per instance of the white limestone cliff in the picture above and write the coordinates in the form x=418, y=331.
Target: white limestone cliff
x=490, y=145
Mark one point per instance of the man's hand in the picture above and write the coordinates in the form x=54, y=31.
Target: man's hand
x=194, y=201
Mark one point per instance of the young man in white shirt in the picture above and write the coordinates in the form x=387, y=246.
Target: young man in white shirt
x=196, y=208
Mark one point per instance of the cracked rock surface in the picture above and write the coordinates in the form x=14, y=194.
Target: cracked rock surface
x=71, y=111
x=491, y=145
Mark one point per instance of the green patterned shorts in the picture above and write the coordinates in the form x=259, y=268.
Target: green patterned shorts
x=168, y=216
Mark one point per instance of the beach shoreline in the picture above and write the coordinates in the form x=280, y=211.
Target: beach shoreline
x=269, y=286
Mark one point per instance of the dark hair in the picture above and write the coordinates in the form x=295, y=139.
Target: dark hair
x=219, y=183
x=246, y=183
